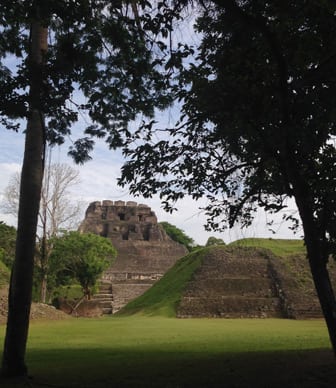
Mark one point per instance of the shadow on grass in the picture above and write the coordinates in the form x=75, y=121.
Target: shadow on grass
x=96, y=368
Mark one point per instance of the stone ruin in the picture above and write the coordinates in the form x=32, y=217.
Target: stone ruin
x=232, y=282
x=249, y=282
x=145, y=251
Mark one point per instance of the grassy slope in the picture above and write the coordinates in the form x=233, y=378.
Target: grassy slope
x=162, y=298
x=279, y=247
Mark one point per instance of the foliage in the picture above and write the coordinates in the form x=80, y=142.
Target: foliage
x=178, y=235
x=81, y=256
x=7, y=243
x=163, y=297
x=104, y=49
x=57, y=211
x=214, y=241
x=159, y=352
x=70, y=292
x=4, y=274
x=249, y=102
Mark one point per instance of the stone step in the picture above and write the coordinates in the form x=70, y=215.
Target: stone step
x=215, y=287
x=102, y=296
x=229, y=306
x=104, y=301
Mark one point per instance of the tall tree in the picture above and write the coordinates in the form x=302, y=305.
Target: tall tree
x=20, y=290
x=105, y=50
x=257, y=124
x=83, y=257
x=57, y=211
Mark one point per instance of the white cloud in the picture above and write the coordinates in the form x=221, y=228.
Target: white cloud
x=99, y=181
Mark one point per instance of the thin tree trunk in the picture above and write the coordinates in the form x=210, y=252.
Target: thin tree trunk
x=44, y=284
x=20, y=291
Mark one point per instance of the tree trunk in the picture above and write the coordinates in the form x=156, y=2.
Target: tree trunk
x=318, y=260
x=20, y=290
x=44, y=283
x=325, y=294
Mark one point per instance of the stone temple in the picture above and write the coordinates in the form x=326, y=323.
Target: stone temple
x=145, y=251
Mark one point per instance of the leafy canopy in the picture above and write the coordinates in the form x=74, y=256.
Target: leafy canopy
x=103, y=63
x=257, y=119
x=82, y=257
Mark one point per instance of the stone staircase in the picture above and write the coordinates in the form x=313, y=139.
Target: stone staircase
x=235, y=284
x=124, y=292
x=117, y=289
x=104, y=297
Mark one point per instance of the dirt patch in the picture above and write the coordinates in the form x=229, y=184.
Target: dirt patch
x=88, y=308
x=38, y=310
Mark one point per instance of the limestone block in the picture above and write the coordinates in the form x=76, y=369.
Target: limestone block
x=107, y=202
x=119, y=203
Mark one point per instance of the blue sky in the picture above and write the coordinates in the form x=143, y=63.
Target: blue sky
x=99, y=181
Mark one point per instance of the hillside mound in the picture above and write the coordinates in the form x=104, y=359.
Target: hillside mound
x=38, y=310
x=164, y=296
x=235, y=281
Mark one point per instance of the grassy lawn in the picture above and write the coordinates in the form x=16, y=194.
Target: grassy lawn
x=167, y=352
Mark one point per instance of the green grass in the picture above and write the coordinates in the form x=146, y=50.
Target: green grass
x=163, y=297
x=167, y=352
x=279, y=247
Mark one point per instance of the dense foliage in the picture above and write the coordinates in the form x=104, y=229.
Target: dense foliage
x=214, y=241
x=7, y=244
x=82, y=257
x=104, y=49
x=256, y=107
